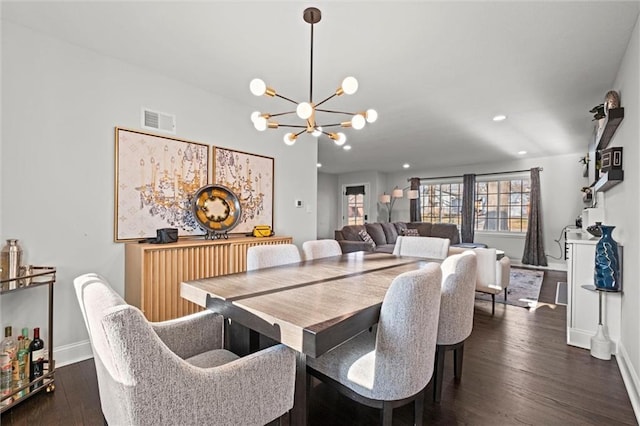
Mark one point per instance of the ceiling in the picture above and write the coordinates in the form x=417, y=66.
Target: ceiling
x=436, y=72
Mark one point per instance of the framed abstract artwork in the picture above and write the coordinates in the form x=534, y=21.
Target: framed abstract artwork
x=156, y=177
x=250, y=178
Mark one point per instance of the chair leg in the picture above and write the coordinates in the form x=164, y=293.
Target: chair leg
x=438, y=373
x=418, y=408
x=493, y=304
x=505, y=295
x=387, y=413
x=284, y=420
x=458, y=353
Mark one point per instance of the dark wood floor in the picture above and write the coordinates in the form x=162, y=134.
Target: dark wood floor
x=518, y=370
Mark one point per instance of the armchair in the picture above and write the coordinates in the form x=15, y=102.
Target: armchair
x=266, y=256
x=493, y=275
x=176, y=372
x=320, y=248
x=393, y=365
x=456, y=314
x=430, y=247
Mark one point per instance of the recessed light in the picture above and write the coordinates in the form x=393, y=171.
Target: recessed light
x=406, y=165
x=346, y=147
x=522, y=152
x=319, y=165
x=499, y=117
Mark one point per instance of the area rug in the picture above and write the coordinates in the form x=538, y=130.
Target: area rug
x=524, y=289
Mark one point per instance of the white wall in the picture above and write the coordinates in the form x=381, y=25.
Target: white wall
x=328, y=205
x=60, y=104
x=622, y=206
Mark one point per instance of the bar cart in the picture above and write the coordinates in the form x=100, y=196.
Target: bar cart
x=36, y=277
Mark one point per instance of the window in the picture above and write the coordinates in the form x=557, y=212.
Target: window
x=355, y=209
x=355, y=204
x=500, y=205
x=503, y=205
x=441, y=203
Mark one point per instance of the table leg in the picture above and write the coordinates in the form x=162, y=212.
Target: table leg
x=299, y=412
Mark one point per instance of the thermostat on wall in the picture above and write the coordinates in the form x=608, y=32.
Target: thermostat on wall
x=298, y=203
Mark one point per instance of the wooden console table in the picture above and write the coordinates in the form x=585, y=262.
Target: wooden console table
x=153, y=272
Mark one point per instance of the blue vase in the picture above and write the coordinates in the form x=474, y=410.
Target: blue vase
x=606, y=273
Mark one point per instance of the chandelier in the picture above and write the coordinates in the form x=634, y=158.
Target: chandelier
x=308, y=110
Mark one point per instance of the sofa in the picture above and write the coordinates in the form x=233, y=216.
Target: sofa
x=384, y=235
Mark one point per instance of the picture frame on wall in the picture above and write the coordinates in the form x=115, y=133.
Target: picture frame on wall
x=155, y=178
x=250, y=177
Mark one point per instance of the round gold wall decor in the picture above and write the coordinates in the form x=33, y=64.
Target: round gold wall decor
x=216, y=208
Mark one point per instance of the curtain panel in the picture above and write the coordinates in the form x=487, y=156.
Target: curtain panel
x=533, y=245
x=468, y=207
x=414, y=205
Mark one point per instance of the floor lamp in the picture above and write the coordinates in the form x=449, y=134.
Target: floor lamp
x=390, y=199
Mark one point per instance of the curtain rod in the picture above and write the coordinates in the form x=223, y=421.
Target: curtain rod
x=479, y=174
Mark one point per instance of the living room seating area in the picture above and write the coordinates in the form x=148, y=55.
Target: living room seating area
x=381, y=237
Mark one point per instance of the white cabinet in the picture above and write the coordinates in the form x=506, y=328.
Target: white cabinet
x=582, y=304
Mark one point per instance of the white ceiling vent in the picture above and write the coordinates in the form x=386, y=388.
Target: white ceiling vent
x=158, y=121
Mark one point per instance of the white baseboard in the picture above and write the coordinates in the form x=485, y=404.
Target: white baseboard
x=630, y=378
x=70, y=354
x=551, y=266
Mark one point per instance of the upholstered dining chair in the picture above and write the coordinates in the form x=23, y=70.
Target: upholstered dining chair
x=265, y=256
x=456, y=313
x=176, y=372
x=320, y=248
x=430, y=247
x=493, y=275
x=392, y=366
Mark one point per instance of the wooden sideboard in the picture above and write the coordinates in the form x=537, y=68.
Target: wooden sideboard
x=153, y=272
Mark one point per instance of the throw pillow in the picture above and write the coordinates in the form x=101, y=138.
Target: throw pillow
x=366, y=237
x=409, y=232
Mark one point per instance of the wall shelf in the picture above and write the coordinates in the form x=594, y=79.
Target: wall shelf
x=609, y=180
x=613, y=120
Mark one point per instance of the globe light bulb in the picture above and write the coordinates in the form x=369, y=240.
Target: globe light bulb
x=358, y=122
x=260, y=123
x=254, y=116
x=339, y=138
x=350, y=85
x=290, y=139
x=257, y=87
x=372, y=115
x=317, y=131
x=304, y=110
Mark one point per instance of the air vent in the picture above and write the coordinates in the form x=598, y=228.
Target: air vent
x=158, y=121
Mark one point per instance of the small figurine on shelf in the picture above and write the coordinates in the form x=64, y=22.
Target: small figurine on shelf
x=587, y=194
x=598, y=112
x=585, y=163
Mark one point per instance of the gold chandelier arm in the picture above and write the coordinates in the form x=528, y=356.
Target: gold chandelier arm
x=325, y=100
x=330, y=125
x=335, y=112
x=281, y=113
x=294, y=126
x=286, y=99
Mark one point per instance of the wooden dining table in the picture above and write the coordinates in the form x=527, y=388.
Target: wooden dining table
x=311, y=306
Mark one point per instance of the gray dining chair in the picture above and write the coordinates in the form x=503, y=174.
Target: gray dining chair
x=430, y=247
x=392, y=366
x=456, y=314
x=268, y=255
x=493, y=275
x=176, y=372
x=317, y=249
